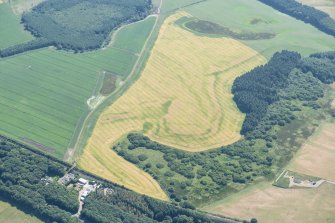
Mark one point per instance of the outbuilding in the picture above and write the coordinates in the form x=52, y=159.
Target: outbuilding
x=82, y=181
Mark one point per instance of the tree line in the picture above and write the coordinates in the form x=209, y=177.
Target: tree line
x=55, y=23
x=24, y=47
x=308, y=14
x=272, y=96
x=21, y=171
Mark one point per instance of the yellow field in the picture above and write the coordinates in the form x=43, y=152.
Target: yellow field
x=328, y=6
x=183, y=99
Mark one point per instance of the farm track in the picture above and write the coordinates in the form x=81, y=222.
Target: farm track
x=70, y=154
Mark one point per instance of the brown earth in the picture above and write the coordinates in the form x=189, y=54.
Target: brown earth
x=328, y=6
x=271, y=204
x=317, y=156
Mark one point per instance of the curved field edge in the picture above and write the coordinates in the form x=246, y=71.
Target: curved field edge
x=121, y=39
x=194, y=78
x=254, y=16
x=163, y=9
x=98, y=156
x=312, y=43
x=315, y=157
x=45, y=92
x=12, y=32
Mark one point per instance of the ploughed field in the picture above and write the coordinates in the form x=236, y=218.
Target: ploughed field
x=275, y=204
x=317, y=156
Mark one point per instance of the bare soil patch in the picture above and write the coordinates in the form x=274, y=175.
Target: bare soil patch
x=316, y=157
x=328, y=6
x=38, y=145
x=20, y=6
x=109, y=83
x=272, y=205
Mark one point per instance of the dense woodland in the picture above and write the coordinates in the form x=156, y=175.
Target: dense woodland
x=56, y=23
x=308, y=14
x=272, y=96
x=21, y=171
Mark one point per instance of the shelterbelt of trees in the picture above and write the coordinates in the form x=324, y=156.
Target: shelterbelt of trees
x=272, y=96
x=21, y=171
x=56, y=23
x=308, y=14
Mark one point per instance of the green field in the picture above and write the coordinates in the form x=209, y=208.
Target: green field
x=9, y=214
x=44, y=93
x=171, y=6
x=11, y=30
x=132, y=37
x=253, y=16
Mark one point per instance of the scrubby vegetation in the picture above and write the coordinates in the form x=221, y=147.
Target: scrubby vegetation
x=109, y=83
x=206, y=27
x=77, y=25
x=22, y=170
x=273, y=96
x=308, y=14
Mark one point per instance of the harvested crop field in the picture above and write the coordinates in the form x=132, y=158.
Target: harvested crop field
x=271, y=204
x=183, y=99
x=317, y=156
x=328, y=6
x=193, y=78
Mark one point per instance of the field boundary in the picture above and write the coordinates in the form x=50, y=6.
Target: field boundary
x=91, y=117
